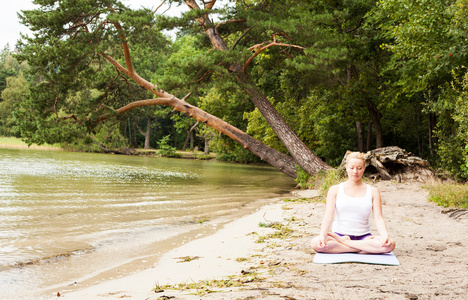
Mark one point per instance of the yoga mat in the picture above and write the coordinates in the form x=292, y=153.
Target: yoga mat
x=378, y=259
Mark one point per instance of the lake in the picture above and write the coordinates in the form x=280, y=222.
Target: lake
x=76, y=219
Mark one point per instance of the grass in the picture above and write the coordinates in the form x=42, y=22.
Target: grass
x=282, y=231
x=208, y=286
x=187, y=258
x=13, y=142
x=448, y=195
x=306, y=200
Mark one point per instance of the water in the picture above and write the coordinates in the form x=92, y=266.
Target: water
x=80, y=218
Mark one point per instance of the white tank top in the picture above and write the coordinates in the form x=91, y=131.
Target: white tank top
x=352, y=213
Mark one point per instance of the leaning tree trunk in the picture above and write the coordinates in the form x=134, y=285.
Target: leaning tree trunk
x=279, y=160
x=302, y=155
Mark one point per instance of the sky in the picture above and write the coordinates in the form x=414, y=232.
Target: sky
x=10, y=26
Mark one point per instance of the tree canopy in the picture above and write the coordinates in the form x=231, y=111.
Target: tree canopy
x=294, y=82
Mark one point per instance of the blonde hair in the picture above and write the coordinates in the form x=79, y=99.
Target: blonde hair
x=355, y=155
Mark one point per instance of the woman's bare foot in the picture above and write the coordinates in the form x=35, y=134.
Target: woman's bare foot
x=339, y=238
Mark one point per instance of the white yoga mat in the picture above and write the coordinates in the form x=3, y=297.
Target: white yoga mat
x=378, y=259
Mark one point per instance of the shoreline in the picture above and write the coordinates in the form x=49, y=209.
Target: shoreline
x=214, y=256
x=231, y=264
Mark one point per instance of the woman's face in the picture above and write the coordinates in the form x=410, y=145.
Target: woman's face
x=355, y=169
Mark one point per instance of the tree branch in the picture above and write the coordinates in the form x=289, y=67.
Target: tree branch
x=209, y=4
x=133, y=105
x=137, y=78
x=259, y=48
x=159, y=7
x=126, y=49
x=230, y=21
x=353, y=29
x=203, y=21
x=240, y=38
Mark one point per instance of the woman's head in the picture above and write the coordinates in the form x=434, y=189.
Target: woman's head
x=355, y=165
x=356, y=155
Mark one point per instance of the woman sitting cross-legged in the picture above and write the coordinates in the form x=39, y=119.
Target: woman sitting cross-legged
x=350, y=203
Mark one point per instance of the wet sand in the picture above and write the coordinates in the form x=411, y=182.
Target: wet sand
x=431, y=247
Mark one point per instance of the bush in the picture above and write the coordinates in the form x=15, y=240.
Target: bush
x=165, y=149
x=448, y=195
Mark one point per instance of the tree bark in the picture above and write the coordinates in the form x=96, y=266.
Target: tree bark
x=190, y=137
x=360, y=136
x=280, y=161
x=376, y=116
x=369, y=136
x=146, y=134
x=207, y=146
x=302, y=155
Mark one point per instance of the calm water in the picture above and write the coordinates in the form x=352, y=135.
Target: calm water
x=79, y=217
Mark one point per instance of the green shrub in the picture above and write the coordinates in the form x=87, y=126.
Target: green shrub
x=448, y=195
x=165, y=149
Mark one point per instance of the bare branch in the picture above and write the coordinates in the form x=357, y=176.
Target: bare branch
x=209, y=4
x=186, y=96
x=133, y=105
x=259, y=48
x=159, y=7
x=126, y=49
x=240, y=38
x=353, y=29
x=72, y=117
x=203, y=77
x=137, y=78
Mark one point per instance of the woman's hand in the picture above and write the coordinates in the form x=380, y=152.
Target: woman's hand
x=386, y=241
x=322, y=241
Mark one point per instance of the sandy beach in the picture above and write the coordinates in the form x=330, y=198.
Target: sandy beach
x=233, y=264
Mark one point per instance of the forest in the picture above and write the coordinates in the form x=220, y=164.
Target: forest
x=293, y=83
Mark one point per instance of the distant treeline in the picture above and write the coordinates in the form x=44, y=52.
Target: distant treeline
x=341, y=75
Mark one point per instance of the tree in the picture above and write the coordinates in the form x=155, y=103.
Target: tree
x=73, y=42
x=17, y=88
x=428, y=42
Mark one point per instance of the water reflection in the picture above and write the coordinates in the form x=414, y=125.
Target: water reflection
x=55, y=204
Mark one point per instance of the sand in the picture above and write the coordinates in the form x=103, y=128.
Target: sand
x=431, y=247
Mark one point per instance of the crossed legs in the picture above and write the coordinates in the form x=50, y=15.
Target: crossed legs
x=342, y=244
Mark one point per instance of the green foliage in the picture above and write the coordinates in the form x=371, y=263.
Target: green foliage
x=448, y=195
x=67, y=51
x=17, y=88
x=428, y=42
x=302, y=177
x=230, y=151
x=330, y=178
x=335, y=63
x=164, y=149
x=106, y=137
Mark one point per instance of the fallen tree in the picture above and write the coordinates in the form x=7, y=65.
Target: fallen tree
x=394, y=163
x=75, y=42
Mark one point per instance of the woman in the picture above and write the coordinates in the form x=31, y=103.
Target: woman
x=351, y=203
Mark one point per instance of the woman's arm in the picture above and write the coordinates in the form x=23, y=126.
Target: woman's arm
x=378, y=216
x=329, y=215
